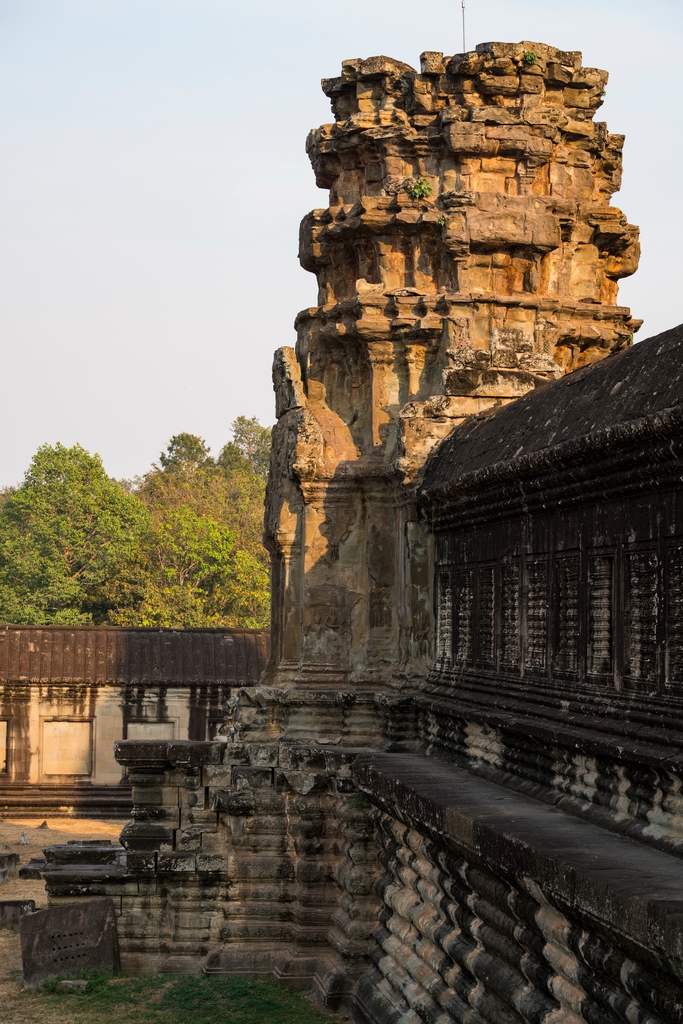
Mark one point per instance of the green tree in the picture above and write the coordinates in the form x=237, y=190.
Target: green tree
x=252, y=441
x=186, y=559
x=203, y=559
x=185, y=452
x=67, y=537
x=180, y=546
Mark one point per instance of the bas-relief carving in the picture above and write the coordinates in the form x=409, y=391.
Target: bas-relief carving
x=430, y=310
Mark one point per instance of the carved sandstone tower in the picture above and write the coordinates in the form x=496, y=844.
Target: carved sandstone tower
x=469, y=254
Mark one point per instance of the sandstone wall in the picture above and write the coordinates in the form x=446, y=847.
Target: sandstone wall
x=497, y=909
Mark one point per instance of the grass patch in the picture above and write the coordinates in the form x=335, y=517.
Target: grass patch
x=168, y=999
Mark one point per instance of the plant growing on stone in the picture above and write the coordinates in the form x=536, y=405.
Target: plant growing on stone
x=441, y=221
x=530, y=58
x=421, y=189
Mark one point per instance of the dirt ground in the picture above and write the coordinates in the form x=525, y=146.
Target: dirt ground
x=59, y=830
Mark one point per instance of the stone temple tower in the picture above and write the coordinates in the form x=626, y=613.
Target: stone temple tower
x=492, y=834
x=469, y=253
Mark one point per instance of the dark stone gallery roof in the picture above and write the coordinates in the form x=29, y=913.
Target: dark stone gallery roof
x=598, y=405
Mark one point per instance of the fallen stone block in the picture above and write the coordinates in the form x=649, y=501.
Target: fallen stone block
x=9, y=862
x=11, y=911
x=69, y=939
x=33, y=868
x=72, y=985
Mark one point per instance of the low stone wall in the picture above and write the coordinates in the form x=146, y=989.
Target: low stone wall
x=595, y=755
x=499, y=908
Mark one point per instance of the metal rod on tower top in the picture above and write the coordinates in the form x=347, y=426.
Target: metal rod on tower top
x=464, y=44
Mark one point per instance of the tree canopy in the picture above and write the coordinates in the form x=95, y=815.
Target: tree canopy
x=179, y=547
x=66, y=539
x=185, y=451
x=252, y=442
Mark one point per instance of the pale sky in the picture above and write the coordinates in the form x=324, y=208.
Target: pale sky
x=153, y=176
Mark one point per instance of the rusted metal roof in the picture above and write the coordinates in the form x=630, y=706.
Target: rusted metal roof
x=113, y=654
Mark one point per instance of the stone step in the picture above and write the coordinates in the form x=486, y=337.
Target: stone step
x=44, y=801
x=98, y=851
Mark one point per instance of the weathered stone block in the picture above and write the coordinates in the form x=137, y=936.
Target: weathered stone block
x=303, y=782
x=262, y=755
x=167, y=816
x=207, y=818
x=228, y=801
x=265, y=867
x=192, y=800
x=176, y=863
x=235, y=753
x=11, y=911
x=145, y=836
x=185, y=778
x=299, y=757
x=244, y=778
x=213, y=842
x=189, y=838
x=142, y=777
x=99, y=851
x=69, y=939
x=147, y=755
x=8, y=864
x=218, y=775
x=432, y=63
x=141, y=863
x=189, y=754
x=210, y=863
x=147, y=886
x=155, y=796
x=33, y=868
